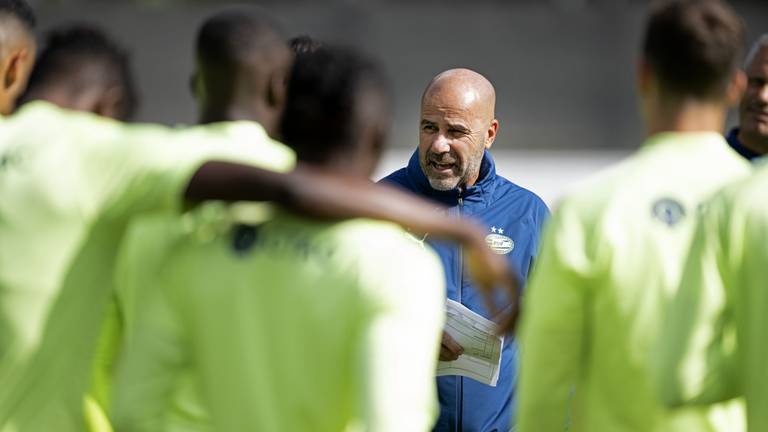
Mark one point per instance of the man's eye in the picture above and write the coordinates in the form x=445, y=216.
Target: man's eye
x=429, y=128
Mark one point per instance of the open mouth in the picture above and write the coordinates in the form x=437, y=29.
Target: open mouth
x=758, y=111
x=442, y=168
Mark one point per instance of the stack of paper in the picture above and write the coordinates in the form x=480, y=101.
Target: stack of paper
x=482, y=347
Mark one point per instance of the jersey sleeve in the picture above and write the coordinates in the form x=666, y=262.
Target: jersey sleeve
x=147, y=168
x=553, y=325
x=697, y=347
x=402, y=341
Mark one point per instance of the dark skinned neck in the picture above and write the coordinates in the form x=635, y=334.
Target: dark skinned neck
x=234, y=112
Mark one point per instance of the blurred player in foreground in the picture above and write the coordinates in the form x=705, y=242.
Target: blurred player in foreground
x=71, y=182
x=614, y=251
x=298, y=324
x=714, y=347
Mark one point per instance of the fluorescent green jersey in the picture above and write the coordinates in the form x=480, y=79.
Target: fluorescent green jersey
x=611, y=259
x=714, y=346
x=147, y=242
x=292, y=325
x=70, y=182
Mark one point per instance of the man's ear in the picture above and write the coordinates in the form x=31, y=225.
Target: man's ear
x=277, y=89
x=17, y=71
x=736, y=87
x=644, y=76
x=493, y=129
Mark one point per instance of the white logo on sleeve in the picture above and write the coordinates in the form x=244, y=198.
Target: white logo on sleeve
x=498, y=242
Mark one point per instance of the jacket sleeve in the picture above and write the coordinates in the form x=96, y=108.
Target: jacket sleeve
x=697, y=349
x=541, y=218
x=552, y=327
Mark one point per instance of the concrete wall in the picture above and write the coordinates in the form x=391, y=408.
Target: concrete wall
x=564, y=75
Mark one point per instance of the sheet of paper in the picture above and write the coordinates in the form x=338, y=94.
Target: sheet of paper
x=481, y=360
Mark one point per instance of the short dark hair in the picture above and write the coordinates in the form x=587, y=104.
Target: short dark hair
x=231, y=42
x=229, y=38
x=694, y=46
x=323, y=90
x=20, y=10
x=68, y=48
x=304, y=44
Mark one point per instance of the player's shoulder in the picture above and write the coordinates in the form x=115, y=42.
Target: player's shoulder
x=243, y=140
x=595, y=192
x=369, y=233
x=379, y=242
x=198, y=229
x=80, y=128
x=390, y=263
x=746, y=194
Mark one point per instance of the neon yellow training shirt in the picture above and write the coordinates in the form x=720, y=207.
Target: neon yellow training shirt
x=69, y=183
x=610, y=261
x=146, y=243
x=714, y=347
x=292, y=325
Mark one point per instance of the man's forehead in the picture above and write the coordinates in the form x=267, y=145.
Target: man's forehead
x=759, y=65
x=454, y=94
x=449, y=115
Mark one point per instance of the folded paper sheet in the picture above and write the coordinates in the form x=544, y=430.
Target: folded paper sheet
x=481, y=360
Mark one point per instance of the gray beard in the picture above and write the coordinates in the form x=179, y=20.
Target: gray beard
x=444, y=184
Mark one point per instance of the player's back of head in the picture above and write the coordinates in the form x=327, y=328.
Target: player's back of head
x=338, y=108
x=242, y=60
x=82, y=68
x=693, y=46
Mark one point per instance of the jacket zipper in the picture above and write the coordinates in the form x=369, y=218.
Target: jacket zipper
x=461, y=255
x=460, y=380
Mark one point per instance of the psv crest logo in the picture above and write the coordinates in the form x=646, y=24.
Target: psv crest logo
x=498, y=242
x=669, y=211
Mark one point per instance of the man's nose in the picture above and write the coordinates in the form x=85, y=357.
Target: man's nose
x=762, y=94
x=440, y=144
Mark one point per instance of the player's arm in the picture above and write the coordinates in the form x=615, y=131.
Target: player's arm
x=152, y=169
x=697, y=346
x=401, y=345
x=324, y=195
x=552, y=326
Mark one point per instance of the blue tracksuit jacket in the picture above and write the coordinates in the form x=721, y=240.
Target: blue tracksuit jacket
x=506, y=210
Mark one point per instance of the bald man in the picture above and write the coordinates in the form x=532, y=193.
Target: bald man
x=453, y=167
